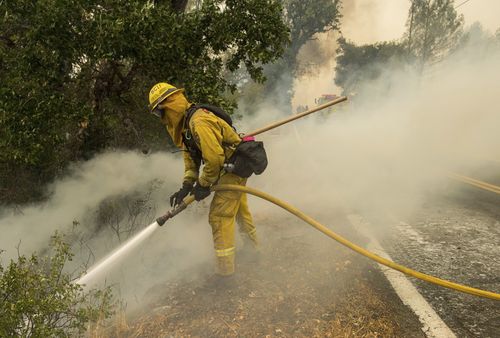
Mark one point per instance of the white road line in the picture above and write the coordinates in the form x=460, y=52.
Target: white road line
x=433, y=325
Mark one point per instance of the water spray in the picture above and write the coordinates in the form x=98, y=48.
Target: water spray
x=126, y=247
x=132, y=243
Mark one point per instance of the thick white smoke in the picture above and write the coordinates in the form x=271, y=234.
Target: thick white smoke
x=394, y=141
x=180, y=245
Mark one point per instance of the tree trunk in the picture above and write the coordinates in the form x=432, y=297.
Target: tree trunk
x=412, y=12
x=426, y=43
x=179, y=5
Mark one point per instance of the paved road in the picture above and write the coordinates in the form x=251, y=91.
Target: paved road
x=455, y=236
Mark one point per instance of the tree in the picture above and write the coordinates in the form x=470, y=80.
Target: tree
x=433, y=28
x=476, y=44
x=38, y=299
x=356, y=64
x=305, y=19
x=74, y=76
x=477, y=38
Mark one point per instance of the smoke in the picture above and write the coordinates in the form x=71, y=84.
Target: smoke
x=115, y=193
x=79, y=193
x=370, y=21
x=385, y=149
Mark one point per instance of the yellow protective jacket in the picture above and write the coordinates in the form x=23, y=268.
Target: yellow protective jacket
x=216, y=140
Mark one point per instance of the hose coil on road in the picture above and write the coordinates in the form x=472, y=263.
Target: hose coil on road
x=356, y=248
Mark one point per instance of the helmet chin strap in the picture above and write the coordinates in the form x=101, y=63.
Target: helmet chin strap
x=157, y=112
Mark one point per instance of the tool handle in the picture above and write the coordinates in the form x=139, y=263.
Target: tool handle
x=295, y=117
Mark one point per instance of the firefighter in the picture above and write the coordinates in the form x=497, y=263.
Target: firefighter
x=206, y=137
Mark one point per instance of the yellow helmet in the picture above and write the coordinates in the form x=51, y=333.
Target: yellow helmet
x=160, y=92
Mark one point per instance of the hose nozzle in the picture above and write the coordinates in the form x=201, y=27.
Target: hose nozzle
x=183, y=205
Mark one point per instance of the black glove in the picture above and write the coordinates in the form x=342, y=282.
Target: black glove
x=177, y=197
x=200, y=192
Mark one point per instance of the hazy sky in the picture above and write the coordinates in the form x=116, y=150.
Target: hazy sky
x=368, y=21
x=487, y=12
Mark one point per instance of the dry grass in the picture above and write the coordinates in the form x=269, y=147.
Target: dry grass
x=303, y=287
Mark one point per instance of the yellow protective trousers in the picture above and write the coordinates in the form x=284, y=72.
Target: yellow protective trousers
x=226, y=207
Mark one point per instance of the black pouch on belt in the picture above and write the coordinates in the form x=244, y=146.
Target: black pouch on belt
x=248, y=158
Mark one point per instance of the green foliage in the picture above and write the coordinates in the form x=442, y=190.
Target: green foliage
x=356, y=64
x=38, y=299
x=434, y=28
x=74, y=75
x=305, y=19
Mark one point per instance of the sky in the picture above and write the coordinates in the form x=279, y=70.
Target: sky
x=368, y=21
x=487, y=12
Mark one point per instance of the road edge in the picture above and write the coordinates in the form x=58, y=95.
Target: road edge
x=433, y=325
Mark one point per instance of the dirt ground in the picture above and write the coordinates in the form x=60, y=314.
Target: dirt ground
x=302, y=284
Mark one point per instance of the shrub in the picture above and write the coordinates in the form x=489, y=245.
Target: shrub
x=39, y=299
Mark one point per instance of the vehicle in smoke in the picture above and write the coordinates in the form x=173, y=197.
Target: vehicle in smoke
x=324, y=99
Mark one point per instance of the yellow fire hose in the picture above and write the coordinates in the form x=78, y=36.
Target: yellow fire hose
x=350, y=245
